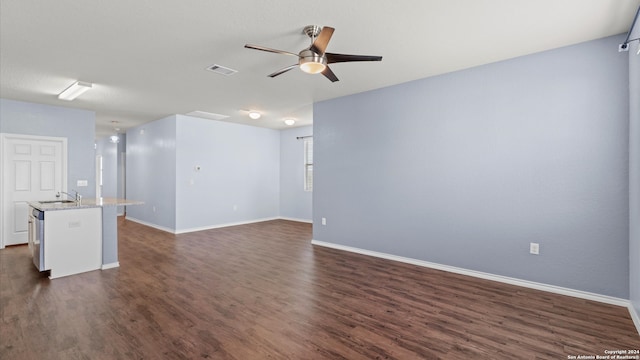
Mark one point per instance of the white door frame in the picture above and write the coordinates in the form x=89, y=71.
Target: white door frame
x=3, y=196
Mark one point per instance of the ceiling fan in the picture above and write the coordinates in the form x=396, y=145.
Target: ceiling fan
x=314, y=59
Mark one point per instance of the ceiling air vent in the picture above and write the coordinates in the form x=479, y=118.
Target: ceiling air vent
x=219, y=69
x=207, y=115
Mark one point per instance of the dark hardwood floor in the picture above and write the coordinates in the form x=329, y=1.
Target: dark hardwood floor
x=262, y=291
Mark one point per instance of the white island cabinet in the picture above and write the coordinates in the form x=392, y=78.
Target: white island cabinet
x=72, y=237
x=73, y=241
x=65, y=238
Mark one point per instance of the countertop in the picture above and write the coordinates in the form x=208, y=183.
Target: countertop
x=84, y=204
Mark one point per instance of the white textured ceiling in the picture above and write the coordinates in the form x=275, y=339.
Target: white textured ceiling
x=147, y=58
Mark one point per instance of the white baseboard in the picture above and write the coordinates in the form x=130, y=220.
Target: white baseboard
x=162, y=228
x=296, y=219
x=110, y=266
x=183, y=231
x=202, y=228
x=487, y=276
x=635, y=317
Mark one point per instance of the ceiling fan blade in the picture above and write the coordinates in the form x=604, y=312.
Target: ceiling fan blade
x=320, y=45
x=329, y=74
x=257, y=47
x=337, y=58
x=282, y=71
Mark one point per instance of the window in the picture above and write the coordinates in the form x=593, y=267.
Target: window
x=308, y=165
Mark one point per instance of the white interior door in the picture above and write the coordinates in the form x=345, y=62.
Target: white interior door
x=33, y=168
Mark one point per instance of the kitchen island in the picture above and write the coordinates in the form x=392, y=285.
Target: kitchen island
x=79, y=236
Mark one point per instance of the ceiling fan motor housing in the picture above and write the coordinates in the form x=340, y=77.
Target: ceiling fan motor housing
x=311, y=63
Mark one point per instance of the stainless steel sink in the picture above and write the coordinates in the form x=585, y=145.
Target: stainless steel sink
x=57, y=202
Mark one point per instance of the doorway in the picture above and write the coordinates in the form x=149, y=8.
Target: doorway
x=32, y=168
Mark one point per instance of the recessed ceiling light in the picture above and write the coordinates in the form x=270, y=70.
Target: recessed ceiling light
x=76, y=89
x=254, y=115
x=289, y=121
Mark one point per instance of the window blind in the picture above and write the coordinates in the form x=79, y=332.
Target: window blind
x=308, y=165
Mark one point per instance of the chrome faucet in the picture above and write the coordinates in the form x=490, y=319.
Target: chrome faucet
x=77, y=197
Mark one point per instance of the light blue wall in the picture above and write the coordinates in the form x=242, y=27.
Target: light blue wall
x=121, y=171
x=78, y=126
x=466, y=169
x=109, y=236
x=238, y=181
x=634, y=175
x=295, y=203
x=151, y=172
x=108, y=151
x=239, y=177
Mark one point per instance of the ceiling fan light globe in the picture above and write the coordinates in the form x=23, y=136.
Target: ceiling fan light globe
x=312, y=67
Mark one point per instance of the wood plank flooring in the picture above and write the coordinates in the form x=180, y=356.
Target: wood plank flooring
x=262, y=291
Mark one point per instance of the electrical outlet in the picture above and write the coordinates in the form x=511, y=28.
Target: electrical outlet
x=324, y=221
x=623, y=47
x=534, y=248
x=82, y=183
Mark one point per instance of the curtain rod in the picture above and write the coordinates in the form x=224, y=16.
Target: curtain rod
x=625, y=45
x=303, y=137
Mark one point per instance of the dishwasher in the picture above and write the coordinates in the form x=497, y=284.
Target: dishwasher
x=36, y=239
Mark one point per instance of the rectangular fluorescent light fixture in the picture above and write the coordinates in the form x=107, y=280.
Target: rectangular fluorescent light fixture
x=207, y=115
x=222, y=70
x=76, y=89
